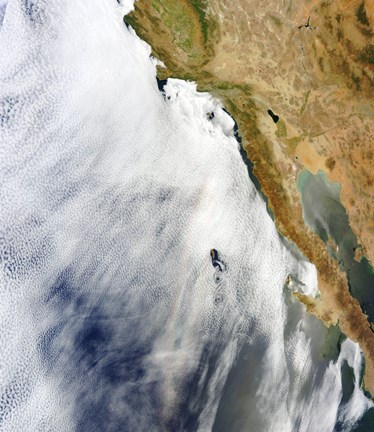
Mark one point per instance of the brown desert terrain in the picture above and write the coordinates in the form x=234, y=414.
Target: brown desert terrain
x=312, y=64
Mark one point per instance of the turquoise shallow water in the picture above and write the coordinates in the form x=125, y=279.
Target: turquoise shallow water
x=113, y=315
x=324, y=214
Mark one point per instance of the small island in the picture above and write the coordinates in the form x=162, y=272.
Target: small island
x=298, y=78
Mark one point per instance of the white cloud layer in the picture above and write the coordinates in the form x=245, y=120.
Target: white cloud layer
x=112, y=196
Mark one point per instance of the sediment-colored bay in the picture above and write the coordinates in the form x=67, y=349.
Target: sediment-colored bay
x=312, y=64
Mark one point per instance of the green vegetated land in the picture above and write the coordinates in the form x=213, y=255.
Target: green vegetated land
x=184, y=35
x=182, y=24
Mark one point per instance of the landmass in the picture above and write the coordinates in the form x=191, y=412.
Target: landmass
x=298, y=78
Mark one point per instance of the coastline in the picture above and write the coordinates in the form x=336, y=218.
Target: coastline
x=325, y=215
x=276, y=151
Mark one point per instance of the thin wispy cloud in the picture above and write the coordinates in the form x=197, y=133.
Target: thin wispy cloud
x=113, y=195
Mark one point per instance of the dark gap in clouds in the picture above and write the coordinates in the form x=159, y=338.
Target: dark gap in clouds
x=34, y=11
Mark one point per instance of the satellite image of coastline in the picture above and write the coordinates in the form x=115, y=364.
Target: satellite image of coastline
x=186, y=215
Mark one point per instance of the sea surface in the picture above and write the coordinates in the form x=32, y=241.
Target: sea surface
x=115, y=196
x=324, y=213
